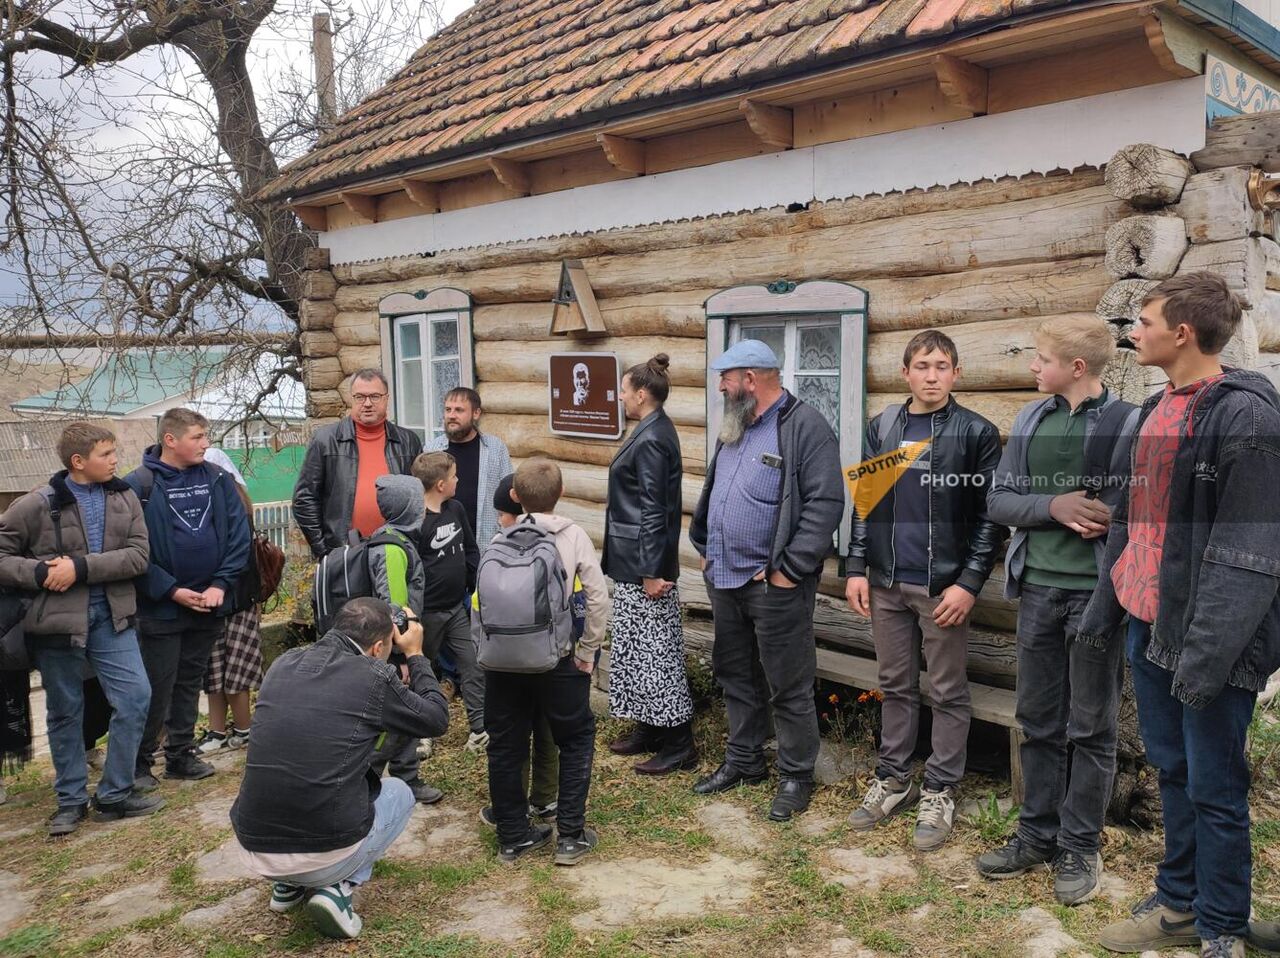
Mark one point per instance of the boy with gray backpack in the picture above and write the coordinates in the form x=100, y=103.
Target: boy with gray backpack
x=523, y=626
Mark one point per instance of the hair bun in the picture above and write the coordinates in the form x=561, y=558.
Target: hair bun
x=659, y=363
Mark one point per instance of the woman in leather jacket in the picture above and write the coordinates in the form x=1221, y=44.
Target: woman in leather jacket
x=647, y=680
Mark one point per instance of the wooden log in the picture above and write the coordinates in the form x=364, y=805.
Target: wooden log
x=686, y=405
x=315, y=258
x=527, y=361
x=359, y=357
x=530, y=436
x=992, y=655
x=318, y=284
x=701, y=232
x=999, y=407
x=1125, y=378
x=320, y=374
x=953, y=241
x=1249, y=140
x=1146, y=247
x=1269, y=366
x=324, y=403
x=357, y=328
x=1000, y=292
x=1242, y=263
x=318, y=345
x=1271, y=257
x=1122, y=302
x=1216, y=207
x=316, y=314
x=1241, y=350
x=1147, y=175
x=589, y=483
x=994, y=355
x=1266, y=318
x=653, y=314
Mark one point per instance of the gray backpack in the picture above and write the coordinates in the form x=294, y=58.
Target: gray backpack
x=521, y=619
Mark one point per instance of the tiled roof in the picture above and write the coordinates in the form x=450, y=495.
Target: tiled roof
x=507, y=69
x=29, y=450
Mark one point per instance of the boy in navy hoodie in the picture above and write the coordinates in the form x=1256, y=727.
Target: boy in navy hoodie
x=199, y=535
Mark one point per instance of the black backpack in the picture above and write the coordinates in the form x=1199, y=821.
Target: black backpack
x=343, y=574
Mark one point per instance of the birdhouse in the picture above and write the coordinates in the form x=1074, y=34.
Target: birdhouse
x=575, y=312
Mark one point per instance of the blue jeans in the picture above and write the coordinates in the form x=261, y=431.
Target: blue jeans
x=118, y=663
x=1068, y=694
x=1204, y=787
x=391, y=811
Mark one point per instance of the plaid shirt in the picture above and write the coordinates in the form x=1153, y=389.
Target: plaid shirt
x=743, y=511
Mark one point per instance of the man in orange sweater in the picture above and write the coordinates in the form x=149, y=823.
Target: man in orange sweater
x=351, y=455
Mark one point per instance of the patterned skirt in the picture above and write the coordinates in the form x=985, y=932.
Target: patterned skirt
x=647, y=680
x=235, y=664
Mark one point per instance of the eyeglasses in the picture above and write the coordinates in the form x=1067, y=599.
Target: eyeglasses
x=362, y=400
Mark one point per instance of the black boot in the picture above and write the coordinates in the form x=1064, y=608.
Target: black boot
x=677, y=753
x=639, y=741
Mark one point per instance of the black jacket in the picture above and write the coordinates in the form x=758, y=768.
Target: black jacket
x=307, y=786
x=813, y=496
x=325, y=494
x=1218, y=621
x=642, y=520
x=963, y=541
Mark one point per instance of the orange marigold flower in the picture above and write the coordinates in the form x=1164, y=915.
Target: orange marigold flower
x=833, y=699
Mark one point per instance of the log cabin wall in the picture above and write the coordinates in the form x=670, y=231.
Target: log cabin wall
x=988, y=262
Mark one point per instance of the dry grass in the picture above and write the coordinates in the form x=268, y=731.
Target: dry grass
x=795, y=910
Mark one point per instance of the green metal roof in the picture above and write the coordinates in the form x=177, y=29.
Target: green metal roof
x=129, y=381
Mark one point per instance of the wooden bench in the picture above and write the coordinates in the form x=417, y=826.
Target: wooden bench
x=989, y=704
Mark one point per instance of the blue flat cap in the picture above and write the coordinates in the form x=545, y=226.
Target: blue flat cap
x=747, y=354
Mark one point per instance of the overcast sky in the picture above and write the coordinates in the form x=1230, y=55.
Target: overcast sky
x=284, y=41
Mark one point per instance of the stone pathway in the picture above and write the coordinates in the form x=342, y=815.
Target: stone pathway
x=216, y=812
x=221, y=913
x=494, y=916
x=731, y=825
x=127, y=905
x=816, y=825
x=222, y=864
x=15, y=900
x=1045, y=937
x=629, y=891
x=854, y=868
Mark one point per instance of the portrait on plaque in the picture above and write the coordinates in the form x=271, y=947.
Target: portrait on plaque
x=584, y=395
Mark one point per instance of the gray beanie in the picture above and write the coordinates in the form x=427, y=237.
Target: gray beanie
x=400, y=502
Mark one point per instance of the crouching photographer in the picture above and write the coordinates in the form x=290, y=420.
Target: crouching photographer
x=311, y=815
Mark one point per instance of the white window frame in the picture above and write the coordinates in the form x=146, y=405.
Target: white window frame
x=817, y=302
x=420, y=309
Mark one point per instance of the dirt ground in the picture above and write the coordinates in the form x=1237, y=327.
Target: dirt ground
x=675, y=875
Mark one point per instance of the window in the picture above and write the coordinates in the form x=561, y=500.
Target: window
x=818, y=331
x=257, y=433
x=426, y=340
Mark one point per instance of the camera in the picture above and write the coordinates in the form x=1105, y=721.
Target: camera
x=400, y=619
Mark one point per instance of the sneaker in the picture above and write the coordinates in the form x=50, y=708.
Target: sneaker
x=424, y=749
x=535, y=838
x=1075, y=877
x=67, y=819
x=187, y=767
x=1152, y=927
x=477, y=742
x=95, y=758
x=546, y=813
x=1014, y=859
x=145, y=782
x=424, y=793
x=570, y=850
x=885, y=798
x=286, y=897
x=134, y=806
x=934, y=818
x=487, y=817
x=1224, y=946
x=331, y=912
x=238, y=738
x=211, y=742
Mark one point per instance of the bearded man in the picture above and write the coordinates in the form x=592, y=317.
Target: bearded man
x=765, y=521
x=482, y=460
